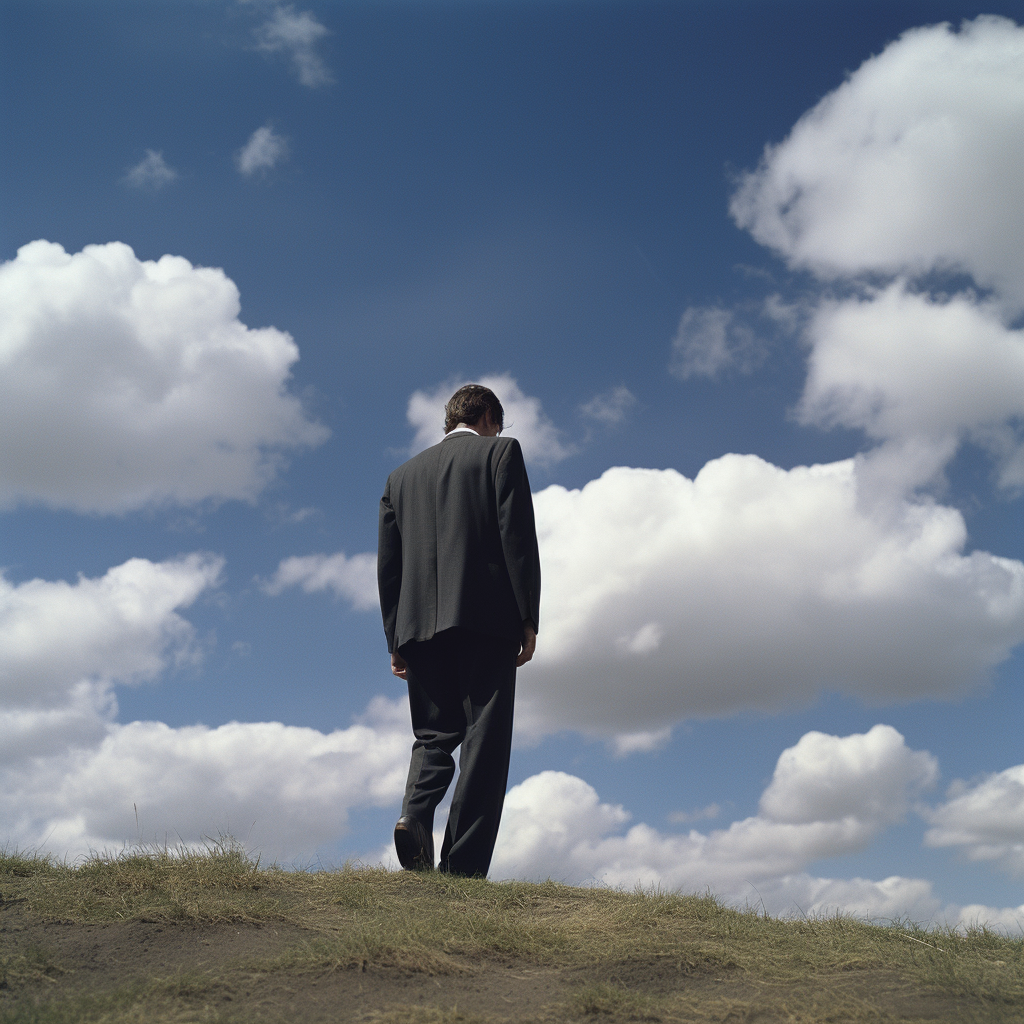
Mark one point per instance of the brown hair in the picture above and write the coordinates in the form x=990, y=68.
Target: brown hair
x=471, y=402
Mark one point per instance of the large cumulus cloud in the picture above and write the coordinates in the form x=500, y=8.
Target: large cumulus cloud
x=758, y=587
x=126, y=382
x=753, y=587
x=749, y=586
x=892, y=190
x=822, y=802
x=984, y=819
x=288, y=791
x=64, y=646
x=912, y=164
x=73, y=779
x=919, y=374
x=825, y=800
x=284, y=790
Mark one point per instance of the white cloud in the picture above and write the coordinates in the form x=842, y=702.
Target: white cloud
x=911, y=165
x=297, y=35
x=610, y=407
x=985, y=820
x=72, y=779
x=823, y=802
x=126, y=382
x=701, y=814
x=63, y=647
x=753, y=587
x=555, y=825
x=824, y=778
x=921, y=375
x=646, y=640
x=646, y=742
x=910, y=168
x=79, y=717
x=709, y=340
x=264, y=149
x=150, y=172
x=524, y=419
x=547, y=826
x=121, y=627
x=976, y=915
x=282, y=790
x=351, y=577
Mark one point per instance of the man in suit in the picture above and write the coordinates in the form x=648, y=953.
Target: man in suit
x=459, y=577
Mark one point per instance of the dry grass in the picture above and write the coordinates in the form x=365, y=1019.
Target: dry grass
x=617, y=955
x=217, y=884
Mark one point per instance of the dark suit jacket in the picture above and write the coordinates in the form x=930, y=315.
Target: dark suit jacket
x=457, y=544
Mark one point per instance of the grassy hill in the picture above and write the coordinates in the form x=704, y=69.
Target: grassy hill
x=213, y=937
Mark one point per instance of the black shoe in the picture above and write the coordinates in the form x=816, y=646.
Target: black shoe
x=414, y=844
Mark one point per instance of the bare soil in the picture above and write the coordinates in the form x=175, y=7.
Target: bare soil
x=214, y=964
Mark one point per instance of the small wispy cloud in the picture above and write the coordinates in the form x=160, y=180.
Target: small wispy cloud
x=627, y=743
x=353, y=577
x=710, y=340
x=297, y=35
x=263, y=150
x=610, y=407
x=151, y=171
x=701, y=814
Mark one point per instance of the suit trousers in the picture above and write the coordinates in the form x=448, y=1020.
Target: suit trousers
x=461, y=692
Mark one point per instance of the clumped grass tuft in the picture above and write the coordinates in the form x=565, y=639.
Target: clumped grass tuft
x=218, y=883
x=611, y=1001
x=25, y=865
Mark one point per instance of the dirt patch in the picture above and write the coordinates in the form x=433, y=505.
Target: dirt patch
x=353, y=995
x=219, y=969
x=674, y=989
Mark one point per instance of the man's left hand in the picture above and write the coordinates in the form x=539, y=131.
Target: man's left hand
x=529, y=644
x=398, y=666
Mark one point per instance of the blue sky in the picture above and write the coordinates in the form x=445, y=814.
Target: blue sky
x=696, y=248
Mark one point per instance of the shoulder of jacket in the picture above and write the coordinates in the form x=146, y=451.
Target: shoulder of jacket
x=422, y=456
x=509, y=444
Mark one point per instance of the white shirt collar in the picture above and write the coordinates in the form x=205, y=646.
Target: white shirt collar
x=461, y=430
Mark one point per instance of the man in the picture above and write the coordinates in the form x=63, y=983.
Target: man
x=459, y=578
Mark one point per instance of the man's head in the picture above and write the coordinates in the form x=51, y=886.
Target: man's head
x=470, y=404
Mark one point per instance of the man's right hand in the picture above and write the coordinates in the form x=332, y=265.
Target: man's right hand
x=398, y=666
x=529, y=644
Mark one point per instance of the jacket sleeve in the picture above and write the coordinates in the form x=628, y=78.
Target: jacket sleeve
x=389, y=565
x=518, y=531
